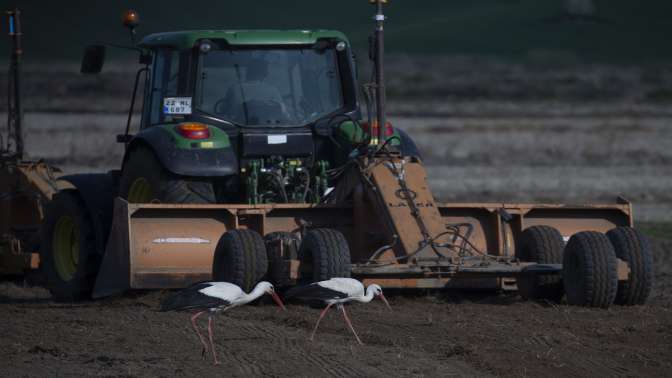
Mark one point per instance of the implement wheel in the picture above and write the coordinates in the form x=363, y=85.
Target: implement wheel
x=144, y=180
x=590, y=270
x=543, y=245
x=633, y=248
x=240, y=258
x=67, y=255
x=327, y=251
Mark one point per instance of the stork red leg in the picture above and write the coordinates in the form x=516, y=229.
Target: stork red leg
x=324, y=312
x=347, y=320
x=193, y=323
x=212, y=345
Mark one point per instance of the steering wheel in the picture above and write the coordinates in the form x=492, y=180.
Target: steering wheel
x=270, y=110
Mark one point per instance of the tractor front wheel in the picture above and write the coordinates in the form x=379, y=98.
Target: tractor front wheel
x=145, y=180
x=67, y=254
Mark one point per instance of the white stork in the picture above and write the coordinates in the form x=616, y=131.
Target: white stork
x=214, y=297
x=337, y=291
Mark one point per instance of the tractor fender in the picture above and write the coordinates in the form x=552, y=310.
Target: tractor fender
x=97, y=192
x=183, y=161
x=408, y=147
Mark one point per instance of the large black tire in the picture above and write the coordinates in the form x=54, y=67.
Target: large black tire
x=289, y=243
x=590, y=270
x=240, y=258
x=144, y=179
x=68, y=256
x=543, y=245
x=632, y=247
x=328, y=252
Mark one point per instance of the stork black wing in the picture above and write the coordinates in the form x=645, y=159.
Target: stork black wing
x=314, y=292
x=191, y=298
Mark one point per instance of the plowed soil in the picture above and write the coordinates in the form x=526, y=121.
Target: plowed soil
x=428, y=334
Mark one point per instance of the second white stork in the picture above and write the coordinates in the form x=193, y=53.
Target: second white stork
x=214, y=297
x=337, y=291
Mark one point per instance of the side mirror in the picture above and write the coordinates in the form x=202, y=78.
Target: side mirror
x=94, y=57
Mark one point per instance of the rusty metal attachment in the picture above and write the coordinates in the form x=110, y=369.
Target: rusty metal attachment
x=399, y=236
x=25, y=189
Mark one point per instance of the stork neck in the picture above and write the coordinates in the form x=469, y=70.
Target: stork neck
x=257, y=292
x=368, y=297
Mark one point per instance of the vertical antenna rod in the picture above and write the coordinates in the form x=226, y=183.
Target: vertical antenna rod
x=15, y=116
x=380, y=77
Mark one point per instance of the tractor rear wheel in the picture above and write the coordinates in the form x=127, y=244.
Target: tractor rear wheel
x=633, y=248
x=145, y=180
x=327, y=251
x=67, y=255
x=590, y=270
x=240, y=258
x=543, y=245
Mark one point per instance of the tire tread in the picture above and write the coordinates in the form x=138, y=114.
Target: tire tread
x=633, y=247
x=329, y=253
x=544, y=245
x=240, y=258
x=595, y=281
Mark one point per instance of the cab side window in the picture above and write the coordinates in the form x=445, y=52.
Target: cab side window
x=169, y=78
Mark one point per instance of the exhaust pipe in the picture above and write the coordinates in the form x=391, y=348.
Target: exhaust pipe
x=380, y=76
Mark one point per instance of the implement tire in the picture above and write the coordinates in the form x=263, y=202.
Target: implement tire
x=590, y=270
x=543, y=245
x=327, y=251
x=633, y=248
x=240, y=258
x=145, y=180
x=68, y=256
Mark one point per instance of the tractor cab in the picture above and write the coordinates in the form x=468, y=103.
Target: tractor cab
x=252, y=116
x=249, y=79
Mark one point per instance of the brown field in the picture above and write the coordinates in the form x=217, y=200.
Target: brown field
x=573, y=135
x=426, y=335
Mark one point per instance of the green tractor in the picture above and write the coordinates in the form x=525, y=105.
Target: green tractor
x=228, y=117
x=242, y=116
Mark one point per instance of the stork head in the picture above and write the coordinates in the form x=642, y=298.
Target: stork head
x=378, y=292
x=268, y=288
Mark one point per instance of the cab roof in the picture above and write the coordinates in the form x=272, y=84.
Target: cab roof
x=187, y=39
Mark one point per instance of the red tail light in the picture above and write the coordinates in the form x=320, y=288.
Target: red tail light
x=193, y=130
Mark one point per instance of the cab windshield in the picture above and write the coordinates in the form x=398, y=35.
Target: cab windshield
x=269, y=87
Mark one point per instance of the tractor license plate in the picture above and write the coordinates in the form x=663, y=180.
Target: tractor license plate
x=177, y=105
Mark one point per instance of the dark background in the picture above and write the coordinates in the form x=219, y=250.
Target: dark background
x=623, y=31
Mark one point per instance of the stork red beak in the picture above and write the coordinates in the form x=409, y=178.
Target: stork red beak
x=277, y=300
x=386, y=302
